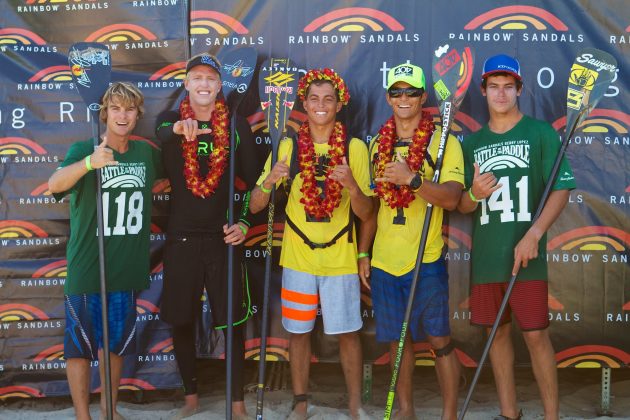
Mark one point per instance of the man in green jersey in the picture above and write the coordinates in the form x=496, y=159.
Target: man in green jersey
x=507, y=165
x=128, y=170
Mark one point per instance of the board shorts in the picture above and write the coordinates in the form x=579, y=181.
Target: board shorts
x=528, y=302
x=83, y=334
x=429, y=312
x=339, y=298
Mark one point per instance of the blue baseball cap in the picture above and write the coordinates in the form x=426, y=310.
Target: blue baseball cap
x=502, y=64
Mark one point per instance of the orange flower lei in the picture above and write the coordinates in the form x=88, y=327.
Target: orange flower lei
x=325, y=74
x=402, y=195
x=314, y=204
x=217, y=159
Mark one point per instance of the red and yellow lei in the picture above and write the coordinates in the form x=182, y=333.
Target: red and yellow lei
x=324, y=74
x=401, y=196
x=314, y=204
x=217, y=158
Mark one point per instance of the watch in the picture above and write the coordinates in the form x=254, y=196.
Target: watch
x=415, y=182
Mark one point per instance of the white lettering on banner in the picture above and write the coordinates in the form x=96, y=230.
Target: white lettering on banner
x=618, y=141
x=615, y=258
x=319, y=39
x=618, y=317
x=147, y=317
x=256, y=253
x=37, y=241
x=35, y=159
x=43, y=366
x=233, y=40
x=457, y=256
x=163, y=357
x=43, y=282
x=38, y=8
x=39, y=325
x=35, y=48
x=620, y=199
x=161, y=84
x=39, y=200
x=566, y=257
x=153, y=3
x=86, y=6
x=463, y=315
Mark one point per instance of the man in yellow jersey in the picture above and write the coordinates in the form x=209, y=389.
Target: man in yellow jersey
x=402, y=156
x=319, y=253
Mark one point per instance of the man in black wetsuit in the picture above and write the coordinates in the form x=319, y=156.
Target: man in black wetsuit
x=195, y=141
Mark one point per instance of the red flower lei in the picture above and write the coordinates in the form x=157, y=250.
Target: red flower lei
x=401, y=196
x=314, y=204
x=217, y=159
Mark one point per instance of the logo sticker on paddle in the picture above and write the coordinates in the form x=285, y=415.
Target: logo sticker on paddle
x=90, y=64
x=277, y=88
x=452, y=66
x=237, y=71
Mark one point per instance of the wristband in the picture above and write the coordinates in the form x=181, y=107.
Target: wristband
x=88, y=163
x=471, y=195
x=363, y=255
x=243, y=229
x=263, y=189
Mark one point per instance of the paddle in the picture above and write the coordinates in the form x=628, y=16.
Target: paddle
x=452, y=72
x=277, y=88
x=236, y=75
x=90, y=65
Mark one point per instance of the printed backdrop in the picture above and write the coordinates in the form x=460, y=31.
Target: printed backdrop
x=42, y=114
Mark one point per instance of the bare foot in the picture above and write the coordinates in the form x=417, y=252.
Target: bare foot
x=404, y=415
x=299, y=412
x=239, y=412
x=190, y=408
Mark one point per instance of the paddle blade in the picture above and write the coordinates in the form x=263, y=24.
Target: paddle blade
x=452, y=69
x=590, y=76
x=237, y=71
x=91, y=68
x=277, y=88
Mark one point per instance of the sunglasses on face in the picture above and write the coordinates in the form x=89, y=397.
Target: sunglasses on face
x=411, y=92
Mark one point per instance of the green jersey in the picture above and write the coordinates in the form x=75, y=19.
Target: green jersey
x=127, y=200
x=521, y=159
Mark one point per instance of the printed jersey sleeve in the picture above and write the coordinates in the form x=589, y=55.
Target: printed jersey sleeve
x=453, y=163
x=164, y=126
x=550, y=144
x=469, y=169
x=360, y=165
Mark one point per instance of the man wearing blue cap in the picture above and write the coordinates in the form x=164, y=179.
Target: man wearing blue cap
x=507, y=165
x=402, y=156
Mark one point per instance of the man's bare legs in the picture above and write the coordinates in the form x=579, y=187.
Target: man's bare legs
x=351, y=363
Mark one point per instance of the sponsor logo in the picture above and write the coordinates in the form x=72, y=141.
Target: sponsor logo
x=22, y=40
x=22, y=150
x=517, y=23
x=50, y=358
x=126, y=36
x=607, y=244
x=48, y=6
x=154, y=3
x=161, y=190
x=50, y=78
x=18, y=391
x=160, y=352
x=256, y=240
x=237, y=69
x=132, y=384
x=621, y=38
x=212, y=28
x=277, y=349
x=169, y=77
x=607, y=126
x=354, y=24
x=592, y=356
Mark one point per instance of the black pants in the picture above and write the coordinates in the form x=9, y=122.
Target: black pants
x=192, y=263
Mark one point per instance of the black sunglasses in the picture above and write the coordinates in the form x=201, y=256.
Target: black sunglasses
x=411, y=92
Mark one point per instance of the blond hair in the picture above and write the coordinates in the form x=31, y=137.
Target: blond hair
x=128, y=95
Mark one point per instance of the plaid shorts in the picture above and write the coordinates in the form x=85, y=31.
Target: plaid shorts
x=83, y=335
x=430, y=311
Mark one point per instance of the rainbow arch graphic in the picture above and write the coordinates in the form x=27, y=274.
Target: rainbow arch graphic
x=133, y=384
x=257, y=235
x=277, y=349
x=41, y=189
x=591, y=238
x=20, y=229
x=592, y=356
x=202, y=21
x=21, y=312
x=144, y=306
x=51, y=353
x=517, y=18
x=55, y=269
x=354, y=19
x=172, y=71
x=164, y=346
x=121, y=32
x=461, y=121
x=599, y=121
x=11, y=36
x=19, y=391
x=17, y=145
x=52, y=74
x=456, y=238
x=163, y=186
